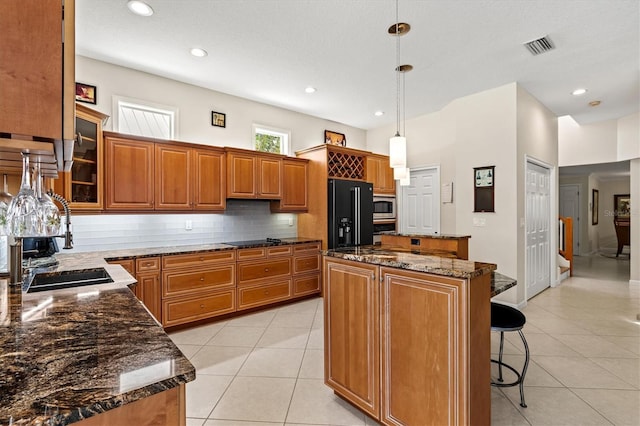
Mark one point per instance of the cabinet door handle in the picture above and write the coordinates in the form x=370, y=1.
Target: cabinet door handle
x=266, y=292
x=266, y=269
x=201, y=278
x=201, y=306
x=201, y=259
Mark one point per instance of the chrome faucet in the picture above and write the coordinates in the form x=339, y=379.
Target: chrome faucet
x=68, y=237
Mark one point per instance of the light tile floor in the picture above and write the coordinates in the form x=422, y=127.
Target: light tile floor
x=266, y=368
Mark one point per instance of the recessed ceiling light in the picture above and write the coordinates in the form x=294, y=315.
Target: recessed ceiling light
x=200, y=53
x=579, y=92
x=594, y=103
x=310, y=89
x=378, y=113
x=139, y=8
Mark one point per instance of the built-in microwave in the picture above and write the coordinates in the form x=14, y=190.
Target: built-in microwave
x=384, y=207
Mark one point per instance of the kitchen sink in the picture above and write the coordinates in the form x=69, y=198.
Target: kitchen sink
x=45, y=281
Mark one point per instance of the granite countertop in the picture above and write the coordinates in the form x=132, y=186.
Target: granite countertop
x=437, y=236
x=69, y=354
x=429, y=261
x=424, y=262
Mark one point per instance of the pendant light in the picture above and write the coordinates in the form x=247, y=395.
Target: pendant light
x=398, y=143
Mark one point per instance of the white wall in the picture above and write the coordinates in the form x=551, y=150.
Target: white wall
x=635, y=221
x=483, y=129
x=583, y=226
x=195, y=105
x=537, y=136
x=628, y=139
x=587, y=144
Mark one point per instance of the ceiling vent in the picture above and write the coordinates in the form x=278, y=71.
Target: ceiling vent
x=540, y=45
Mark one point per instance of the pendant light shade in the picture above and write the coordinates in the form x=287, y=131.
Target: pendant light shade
x=398, y=152
x=398, y=143
x=400, y=173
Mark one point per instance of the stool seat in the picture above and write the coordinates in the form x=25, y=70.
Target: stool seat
x=504, y=319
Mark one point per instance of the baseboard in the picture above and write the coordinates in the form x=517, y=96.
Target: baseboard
x=634, y=282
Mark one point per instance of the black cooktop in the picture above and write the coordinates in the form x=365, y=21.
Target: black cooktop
x=254, y=243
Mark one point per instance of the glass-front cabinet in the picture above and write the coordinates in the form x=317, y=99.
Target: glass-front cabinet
x=84, y=183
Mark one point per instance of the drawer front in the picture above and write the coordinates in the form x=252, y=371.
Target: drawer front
x=250, y=297
x=306, y=264
x=147, y=264
x=260, y=271
x=279, y=251
x=183, y=310
x=184, y=282
x=252, y=253
x=306, y=249
x=175, y=261
x=128, y=264
x=308, y=284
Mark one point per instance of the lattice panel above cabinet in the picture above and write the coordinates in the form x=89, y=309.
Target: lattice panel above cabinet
x=345, y=165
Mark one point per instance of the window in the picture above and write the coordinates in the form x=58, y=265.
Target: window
x=141, y=118
x=270, y=139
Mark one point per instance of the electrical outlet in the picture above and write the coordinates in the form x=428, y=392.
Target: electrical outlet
x=188, y=225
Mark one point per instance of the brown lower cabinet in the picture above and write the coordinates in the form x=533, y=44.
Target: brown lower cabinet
x=197, y=286
x=408, y=347
x=166, y=408
x=181, y=288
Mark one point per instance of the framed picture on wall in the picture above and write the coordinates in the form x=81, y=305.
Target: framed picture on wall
x=622, y=205
x=483, y=189
x=595, y=201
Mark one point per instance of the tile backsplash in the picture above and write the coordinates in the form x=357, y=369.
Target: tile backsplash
x=242, y=220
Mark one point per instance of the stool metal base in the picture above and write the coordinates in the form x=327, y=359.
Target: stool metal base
x=520, y=376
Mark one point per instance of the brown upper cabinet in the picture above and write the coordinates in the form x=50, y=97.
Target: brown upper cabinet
x=380, y=174
x=37, y=68
x=295, y=173
x=129, y=173
x=143, y=174
x=252, y=174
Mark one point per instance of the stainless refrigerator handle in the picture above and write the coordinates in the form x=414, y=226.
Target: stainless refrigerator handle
x=356, y=219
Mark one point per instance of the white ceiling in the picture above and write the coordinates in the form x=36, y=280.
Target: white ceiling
x=270, y=50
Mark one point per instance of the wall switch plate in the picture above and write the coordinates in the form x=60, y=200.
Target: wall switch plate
x=188, y=225
x=290, y=221
x=479, y=221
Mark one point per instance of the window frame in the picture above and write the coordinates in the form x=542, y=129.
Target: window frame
x=285, y=134
x=140, y=104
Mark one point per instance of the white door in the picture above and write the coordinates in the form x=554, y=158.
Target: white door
x=570, y=207
x=538, y=251
x=420, y=212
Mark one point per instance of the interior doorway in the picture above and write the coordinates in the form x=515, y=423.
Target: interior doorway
x=420, y=202
x=570, y=207
x=538, y=228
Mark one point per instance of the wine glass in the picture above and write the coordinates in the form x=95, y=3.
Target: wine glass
x=49, y=215
x=5, y=200
x=23, y=210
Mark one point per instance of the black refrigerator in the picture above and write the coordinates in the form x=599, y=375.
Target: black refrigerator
x=350, y=213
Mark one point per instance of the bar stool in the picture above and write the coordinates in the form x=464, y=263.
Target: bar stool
x=503, y=319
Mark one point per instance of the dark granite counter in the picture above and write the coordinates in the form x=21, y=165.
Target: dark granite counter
x=437, y=236
x=69, y=354
x=433, y=262
x=424, y=262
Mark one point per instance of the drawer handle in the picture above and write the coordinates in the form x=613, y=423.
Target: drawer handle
x=201, y=259
x=201, y=306
x=266, y=269
x=201, y=278
x=266, y=292
x=148, y=264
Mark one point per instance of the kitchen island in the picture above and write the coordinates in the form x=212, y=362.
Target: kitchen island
x=91, y=355
x=407, y=335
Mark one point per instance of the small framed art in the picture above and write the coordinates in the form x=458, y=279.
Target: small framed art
x=218, y=119
x=85, y=93
x=335, y=138
x=483, y=189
